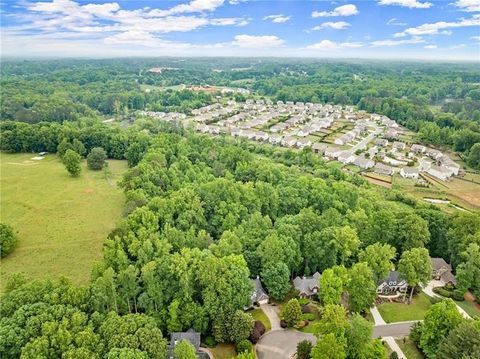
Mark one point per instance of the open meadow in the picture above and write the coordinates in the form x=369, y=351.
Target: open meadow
x=61, y=222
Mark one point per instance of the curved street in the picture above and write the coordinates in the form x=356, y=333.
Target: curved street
x=281, y=344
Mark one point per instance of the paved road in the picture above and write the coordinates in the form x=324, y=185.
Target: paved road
x=281, y=344
x=272, y=314
x=438, y=283
x=392, y=330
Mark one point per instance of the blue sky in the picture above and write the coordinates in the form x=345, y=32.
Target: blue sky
x=398, y=29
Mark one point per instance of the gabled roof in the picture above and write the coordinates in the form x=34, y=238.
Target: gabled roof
x=191, y=335
x=393, y=278
x=307, y=284
x=258, y=293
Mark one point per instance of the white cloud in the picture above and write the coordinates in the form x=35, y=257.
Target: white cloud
x=344, y=10
x=331, y=45
x=277, y=19
x=390, y=42
x=394, y=21
x=468, y=5
x=407, y=3
x=257, y=42
x=475, y=38
x=430, y=47
x=339, y=25
x=459, y=46
x=193, y=6
x=435, y=28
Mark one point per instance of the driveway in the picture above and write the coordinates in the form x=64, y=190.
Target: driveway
x=400, y=329
x=438, y=283
x=281, y=344
x=272, y=313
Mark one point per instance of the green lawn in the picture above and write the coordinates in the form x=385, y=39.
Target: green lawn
x=400, y=312
x=470, y=308
x=224, y=351
x=61, y=221
x=258, y=314
x=409, y=349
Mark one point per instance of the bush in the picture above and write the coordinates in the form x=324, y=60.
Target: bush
x=244, y=346
x=283, y=324
x=258, y=331
x=96, y=158
x=210, y=341
x=304, y=301
x=394, y=355
x=308, y=316
x=304, y=349
x=8, y=239
x=416, y=332
x=449, y=292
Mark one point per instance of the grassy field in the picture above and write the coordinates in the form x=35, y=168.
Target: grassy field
x=400, y=312
x=409, y=349
x=258, y=314
x=61, y=221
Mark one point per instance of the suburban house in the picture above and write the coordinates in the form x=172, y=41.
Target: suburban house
x=259, y=296
x=409, y=172
x=332, y=152
x=392, y=284
x=346, y=157
x=382, y=169
x=303, y=142
x=307, y=286
x=398, y=146
x=417, y=148
x=319, y=147
x=441, y=270
x=192, y=336
x=381, y=142
x=442, y=173
x=363, y=162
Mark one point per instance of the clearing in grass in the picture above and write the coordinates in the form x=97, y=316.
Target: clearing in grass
x=61, y=221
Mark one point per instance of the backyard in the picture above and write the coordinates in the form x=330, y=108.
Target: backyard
x=400, y=312
x=61, y=222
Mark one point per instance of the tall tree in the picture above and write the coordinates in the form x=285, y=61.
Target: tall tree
x=361, y=287
x=332, y=284
x=277, y=280
x=379, y=258
x=468, y=272
x=329, y=347
x=292, y=313
x=96, y=159
x=184, y=350
x=415, y=267
x=461, y=342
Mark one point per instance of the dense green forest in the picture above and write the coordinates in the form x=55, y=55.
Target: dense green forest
x=203, y=216
x=439, y=101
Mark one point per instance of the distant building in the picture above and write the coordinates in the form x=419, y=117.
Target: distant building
x=441, y=270
x=409, y=172
x=398, y=146
x=319, y=148
x=382, y=169
x=382, y=142
x=417, y=148
x=363, y=162
x=259, y=296
x=346, y=157
x=439, y=172
x=307, y=286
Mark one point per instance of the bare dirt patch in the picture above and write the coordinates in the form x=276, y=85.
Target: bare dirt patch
x=88, y=190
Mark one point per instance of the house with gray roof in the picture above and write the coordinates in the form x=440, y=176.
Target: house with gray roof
x=259, y=296
x=441, y=270
x=307, y=286
x=363, y=162
x=382, y=169
x=190, y=335
x=391, y=284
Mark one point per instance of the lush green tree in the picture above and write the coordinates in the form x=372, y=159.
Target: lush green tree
x=379, y=258
x=277, y=280
x=240, y=326
x=415, y=267
x=468, y=272
x=332, y=284
x=246, y=355
x=292, y=313
x=473, y=158
x=358, y=337
x=463, y=231
x=440, y=319
x=126, y=353
x=412, y=232
x=72, y=160
x=334, y=320
x=78, y=147
x=329, y=347
x=304, y=349
x=361, y=287
x=461, y=342
x=96, y=159
x=8, y=239
x=184, y=350
x=244, y=346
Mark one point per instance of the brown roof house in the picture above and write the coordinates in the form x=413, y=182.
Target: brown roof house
x=441, y=270
x=307, y=286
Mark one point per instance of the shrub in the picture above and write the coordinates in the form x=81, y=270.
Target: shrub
x=283, y=323
x=8, y=239
x=210, y=341
x=394, y=355
x=416, y=332
x=308, y=316
x=303, y=301
x=244, y=346
x=96, y=158
x=258, y=331
x=304, y=349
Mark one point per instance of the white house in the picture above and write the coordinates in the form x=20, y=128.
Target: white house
x=346, y=157
x=442, y=173
x=363, y=162
x=409, y=172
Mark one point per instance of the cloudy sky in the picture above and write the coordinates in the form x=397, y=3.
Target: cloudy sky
x=400, y=29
